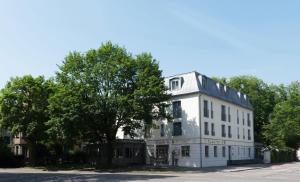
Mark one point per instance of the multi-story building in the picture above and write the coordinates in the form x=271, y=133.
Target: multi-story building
x=20, y=145
x=17, y=142
x=212, y=125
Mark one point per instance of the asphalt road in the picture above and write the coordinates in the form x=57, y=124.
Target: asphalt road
x=283, y=173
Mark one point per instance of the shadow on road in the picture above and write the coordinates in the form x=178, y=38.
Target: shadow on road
x=7, y=177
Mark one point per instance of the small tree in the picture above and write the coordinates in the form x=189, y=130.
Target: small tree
x=23, y=109
x=104, y=90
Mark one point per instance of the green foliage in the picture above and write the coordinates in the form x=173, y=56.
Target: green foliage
x=6, y=156
x=23, y=107
x=103, y=90
x=283, y=155
x=284, y=128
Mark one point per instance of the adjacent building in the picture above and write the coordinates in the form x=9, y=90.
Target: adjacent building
x=212, y=125
x=5, y=136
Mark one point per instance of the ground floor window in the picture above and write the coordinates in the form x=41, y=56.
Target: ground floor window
x=185, y=151
x=206, y=151
x=129, y=152
x=224, y=151
x=249, y=152
x=118, y=153
x=215, y=151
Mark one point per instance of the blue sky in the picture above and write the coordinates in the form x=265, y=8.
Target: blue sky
x=214, y=37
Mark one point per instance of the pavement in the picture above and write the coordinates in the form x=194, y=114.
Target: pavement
x=289, y=172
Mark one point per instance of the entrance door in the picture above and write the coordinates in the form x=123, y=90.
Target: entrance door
x=162, y=154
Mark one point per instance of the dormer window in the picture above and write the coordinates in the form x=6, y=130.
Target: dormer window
x=204, y=81
x=175, y=83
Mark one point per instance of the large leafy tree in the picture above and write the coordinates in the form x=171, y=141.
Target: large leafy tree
x=284, y=128
x=263, y=99
x=104, y=90
x=23, y=109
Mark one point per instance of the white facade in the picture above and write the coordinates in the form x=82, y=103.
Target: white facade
x=199, y=142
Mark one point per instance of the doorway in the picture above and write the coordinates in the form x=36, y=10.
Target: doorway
x=162, y=154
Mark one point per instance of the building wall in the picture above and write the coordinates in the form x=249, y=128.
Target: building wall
x=190, y=133
x=192, y=122
x=239, y=146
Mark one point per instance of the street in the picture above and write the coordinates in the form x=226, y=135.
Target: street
x=286, y=172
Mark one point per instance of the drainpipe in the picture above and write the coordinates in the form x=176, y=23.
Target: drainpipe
x=199, y=114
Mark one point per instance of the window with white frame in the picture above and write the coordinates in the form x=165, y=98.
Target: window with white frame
x=206, y=151
x=206, y=132
x=205, y=109
x=215, y=151
x=175, y=83
x=224, y=151
x=211, y=110
x=223, y=112
x=177, y=111
x=213, y=129
x=185, y=151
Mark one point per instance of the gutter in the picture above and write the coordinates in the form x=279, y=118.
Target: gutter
x=199, y=114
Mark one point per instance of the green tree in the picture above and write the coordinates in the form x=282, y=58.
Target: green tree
x=284, y=128
x=103, y=90
x=23, y=109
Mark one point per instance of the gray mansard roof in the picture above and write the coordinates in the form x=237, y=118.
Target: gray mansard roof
x=194, y=82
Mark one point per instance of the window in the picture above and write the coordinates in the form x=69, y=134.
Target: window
x=229, y=132
x=129, y=152
x=223, y=113
x=237, y=116
x=211, y=110
x=118, y=153
x=206, y=151
x=243, y=133
x=229, y=116
x=249, y=134
x=224, y=151
x=249, y=152
x=177, y=129
x=205, y=109
x=204, y=81
x=248, y=119
x=223, y=131
x=177, y=109
x=213, y=129
x=238, y=133
x=215, y=151
x=243, y=118
x=162, y=130
x=185, y=151
x=175, y=83
x=206, y=132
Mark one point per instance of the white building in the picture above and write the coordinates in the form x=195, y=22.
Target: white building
x=212, y=125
